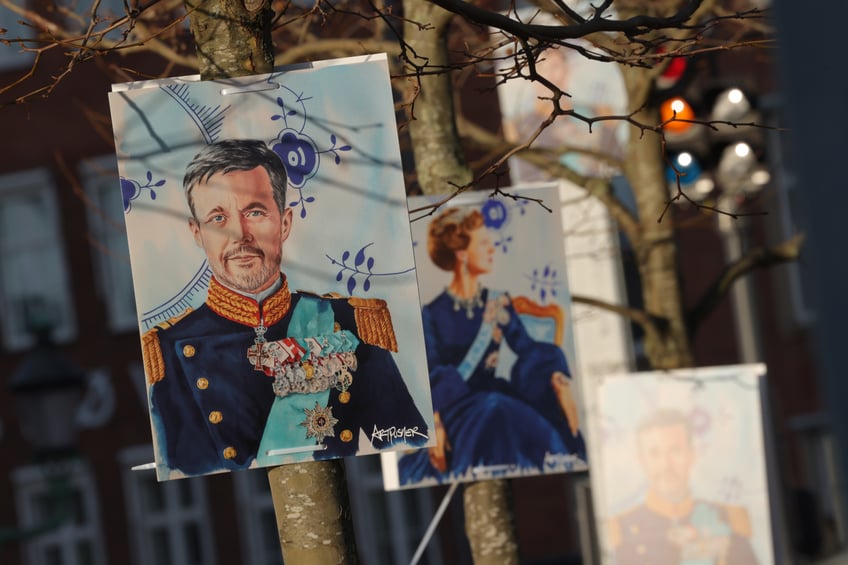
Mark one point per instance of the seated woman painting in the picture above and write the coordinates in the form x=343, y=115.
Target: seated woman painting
x=483, y=420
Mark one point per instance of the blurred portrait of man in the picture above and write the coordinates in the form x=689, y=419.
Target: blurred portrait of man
x=670, y=526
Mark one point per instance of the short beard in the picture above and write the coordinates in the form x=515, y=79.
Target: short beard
x=250, y=282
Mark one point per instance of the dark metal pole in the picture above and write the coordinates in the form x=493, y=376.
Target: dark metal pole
x=811, y=44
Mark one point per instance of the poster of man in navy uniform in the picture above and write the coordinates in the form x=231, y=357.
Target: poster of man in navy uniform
x=264, y=189
x=696, y=487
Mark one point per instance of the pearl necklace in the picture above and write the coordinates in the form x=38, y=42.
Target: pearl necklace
x=469, y=304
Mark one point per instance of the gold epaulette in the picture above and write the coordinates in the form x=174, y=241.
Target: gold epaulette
x=151, y=352
x=171, y=321
x=739, y=520
x=374, y=322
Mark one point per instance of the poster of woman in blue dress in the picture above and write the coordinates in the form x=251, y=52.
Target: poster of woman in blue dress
x=498, y=342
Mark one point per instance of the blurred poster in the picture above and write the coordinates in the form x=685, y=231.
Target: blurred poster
x=273, y=266
x=594, y=89
x=499, y=339
x=680, y=475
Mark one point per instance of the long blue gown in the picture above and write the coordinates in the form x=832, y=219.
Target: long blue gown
x=490, y=421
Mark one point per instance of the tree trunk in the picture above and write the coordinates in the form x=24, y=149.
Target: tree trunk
x=313, y=516
x=441, y=168
x=439, y=162
x=233, y=38
x=488, y=523
x=667, y=344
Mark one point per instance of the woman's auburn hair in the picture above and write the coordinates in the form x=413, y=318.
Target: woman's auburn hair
x=450, y=232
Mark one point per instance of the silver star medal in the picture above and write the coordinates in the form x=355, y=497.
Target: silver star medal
x=319, y=422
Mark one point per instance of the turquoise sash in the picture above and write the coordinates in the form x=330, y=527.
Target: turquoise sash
x=283, y=430
x=481, y=342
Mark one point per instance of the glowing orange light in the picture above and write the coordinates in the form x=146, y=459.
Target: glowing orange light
x=672, y=111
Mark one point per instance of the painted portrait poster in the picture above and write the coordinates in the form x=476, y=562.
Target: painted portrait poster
x=594, y=89
x=273, y=267
x=681, y=474
x=497, y=329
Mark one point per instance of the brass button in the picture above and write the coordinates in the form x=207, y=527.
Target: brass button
x=346, y=435
x=230, y=452
x=215, y=417
x=344, y=397
x=337, y=326
x=202, y=383
x=189, y=350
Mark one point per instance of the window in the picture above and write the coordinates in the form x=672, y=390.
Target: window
x=168, y=521
x=34, y=282
x=257, y=521
x=108, y=241
x=11, y=55
x=40, y=494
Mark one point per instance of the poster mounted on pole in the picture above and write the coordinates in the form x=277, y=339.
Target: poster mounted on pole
x=499, y=339
x=273, y=267
x=680, y=475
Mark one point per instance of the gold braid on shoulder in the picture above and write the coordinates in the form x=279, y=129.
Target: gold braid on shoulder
x=151, y=351
x=374, y=322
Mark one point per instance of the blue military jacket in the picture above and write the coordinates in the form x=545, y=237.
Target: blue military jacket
x=689, y=532
x=210, y=404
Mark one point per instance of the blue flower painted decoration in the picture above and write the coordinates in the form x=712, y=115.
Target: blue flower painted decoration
x=132, y=189
x=495, y=214
x=129, y=192
x=299, y=155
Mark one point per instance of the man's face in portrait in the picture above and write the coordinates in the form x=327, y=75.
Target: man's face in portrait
x=667, y=457
x=239, y=226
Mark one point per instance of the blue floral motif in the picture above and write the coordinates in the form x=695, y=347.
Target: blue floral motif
x=495, y=214
x=363, y=265
x=503, y=241
x=545, y=282
x=132, y=189
x=299, y=155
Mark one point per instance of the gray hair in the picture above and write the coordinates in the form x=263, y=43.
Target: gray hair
x=236, y=155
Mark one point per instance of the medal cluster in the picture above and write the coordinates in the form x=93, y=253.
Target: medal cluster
x=308, y=365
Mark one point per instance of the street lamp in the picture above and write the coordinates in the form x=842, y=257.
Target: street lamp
x=48, y=389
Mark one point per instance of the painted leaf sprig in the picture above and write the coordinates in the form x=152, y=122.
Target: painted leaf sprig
x=359, y=272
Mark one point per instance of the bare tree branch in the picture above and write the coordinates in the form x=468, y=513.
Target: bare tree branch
x=599, y=188
x=633, y=314
x=758, y=258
